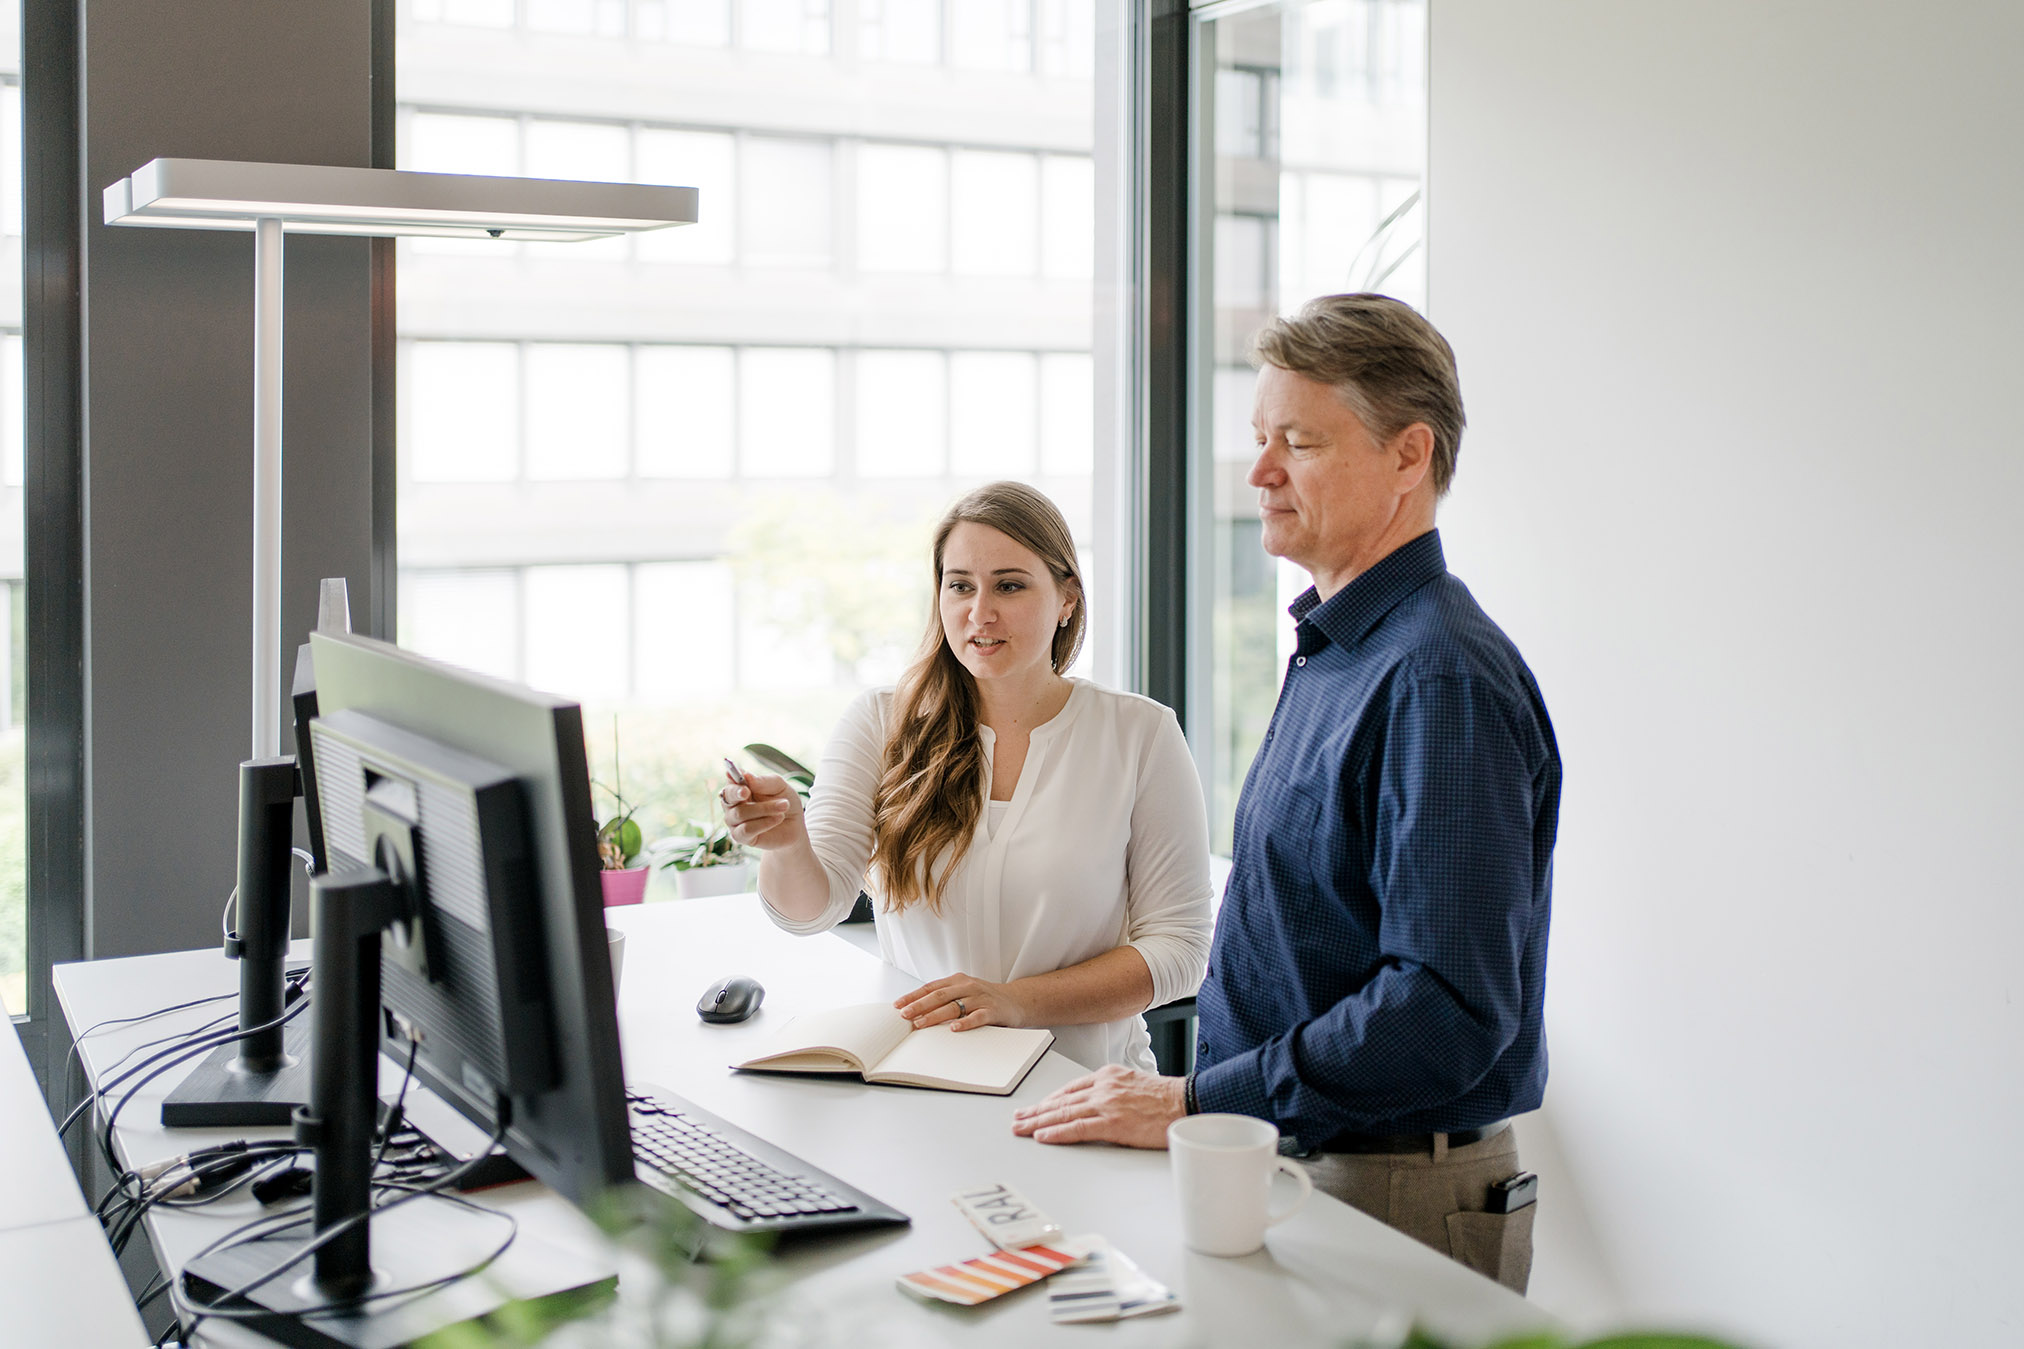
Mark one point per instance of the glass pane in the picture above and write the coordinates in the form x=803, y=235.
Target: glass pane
x=682, y=402
x=1068, y=207
x=452, y=143
x=683, y=626
x=479, y=13
x=902, y=208
x=786, y=202
x=696, y=23
x=703, y=160
x=754, y=413
x=784, y=25
x=787, y=412
x=584, y=151
x=1067, y=415
x=996, y=210
x=902, y=414
x=10, y=157
x=463, y=411
x=1067, y=41
x=992, y=34
x=577, y=419
x=562, y=16
x=578, y=630
x=1317, y=113
x=469, y=618
x=12, y=469
x=900, y=30
x=992, y=396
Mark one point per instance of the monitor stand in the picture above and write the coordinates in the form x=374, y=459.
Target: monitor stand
x=260, y=1078
x=401, y=1247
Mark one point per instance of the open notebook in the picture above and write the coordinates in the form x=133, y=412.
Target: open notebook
x=877, y=1043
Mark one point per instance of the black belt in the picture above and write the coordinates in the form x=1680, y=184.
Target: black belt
x=1406, y=1143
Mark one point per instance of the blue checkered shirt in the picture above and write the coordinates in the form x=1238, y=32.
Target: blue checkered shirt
x=1380, y=958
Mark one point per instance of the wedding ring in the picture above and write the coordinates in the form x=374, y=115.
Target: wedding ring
x=959, y=1008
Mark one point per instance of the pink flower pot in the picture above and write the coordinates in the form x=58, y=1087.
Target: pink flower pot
x=624, y=887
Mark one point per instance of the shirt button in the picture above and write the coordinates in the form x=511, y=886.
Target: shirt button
x=1300, y=660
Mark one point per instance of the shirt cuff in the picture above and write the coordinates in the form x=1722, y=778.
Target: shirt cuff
x=1234, y=1086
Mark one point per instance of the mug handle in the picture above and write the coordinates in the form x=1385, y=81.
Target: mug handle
x=1299, y=1173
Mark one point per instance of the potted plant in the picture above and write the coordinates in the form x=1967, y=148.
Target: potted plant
x=706, y=860
x=619, y=845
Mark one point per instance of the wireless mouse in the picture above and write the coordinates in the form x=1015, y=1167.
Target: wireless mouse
x=731, y=999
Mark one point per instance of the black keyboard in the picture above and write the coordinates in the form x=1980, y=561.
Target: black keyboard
x=735, y=1179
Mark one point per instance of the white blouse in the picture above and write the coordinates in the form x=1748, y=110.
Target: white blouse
x=1105, y=843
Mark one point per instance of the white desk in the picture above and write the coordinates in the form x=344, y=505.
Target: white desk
x=58, y=1281
x=1325, y=1277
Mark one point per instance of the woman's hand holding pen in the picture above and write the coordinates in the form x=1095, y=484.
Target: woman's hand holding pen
x=763, y=811
x=964, y=1002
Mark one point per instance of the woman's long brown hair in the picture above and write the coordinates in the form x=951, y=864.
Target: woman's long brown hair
x=931, y=782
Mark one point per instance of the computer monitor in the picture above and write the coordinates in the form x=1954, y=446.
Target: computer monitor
x=517, y=993
x=462, y=916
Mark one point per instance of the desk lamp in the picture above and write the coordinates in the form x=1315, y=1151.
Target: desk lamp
x=259, y=1079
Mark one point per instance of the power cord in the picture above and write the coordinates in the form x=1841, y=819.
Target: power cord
x=223, y=1307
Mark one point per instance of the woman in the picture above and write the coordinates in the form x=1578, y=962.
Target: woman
x=1037, y=845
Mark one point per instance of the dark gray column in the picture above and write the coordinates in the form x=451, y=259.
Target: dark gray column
x=168, y=429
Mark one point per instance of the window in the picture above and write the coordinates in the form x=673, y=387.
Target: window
x=784, y=25
x=682, y=401
x=991, y=34
x=672, y=602
x=577, y=629
x=1068, y=415
x=1315, y=190
x=706, y=161
x=689, y=478
x=577, y=422
x=787, y=413
x=785, y=207
x=995, y=203
x=469, y=618
x=1068, y=208
x=908, y=31
x=694, y=23
x=902, y=414
x=902, y=208
x=462, y=401
x=992, y=394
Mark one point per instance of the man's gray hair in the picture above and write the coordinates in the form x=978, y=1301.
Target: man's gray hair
x=1390, y=365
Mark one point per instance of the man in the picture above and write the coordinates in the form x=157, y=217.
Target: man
x=1379, y=967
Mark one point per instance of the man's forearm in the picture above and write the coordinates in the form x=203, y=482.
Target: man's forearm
x=1306, y=1081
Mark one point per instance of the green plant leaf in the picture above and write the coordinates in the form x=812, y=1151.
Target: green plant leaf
x=629, y=837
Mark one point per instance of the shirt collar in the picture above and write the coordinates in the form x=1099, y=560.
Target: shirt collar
x=1347, y=617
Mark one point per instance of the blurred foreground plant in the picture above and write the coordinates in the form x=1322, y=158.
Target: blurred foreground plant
x=1420, y=1339
x=706, y=1289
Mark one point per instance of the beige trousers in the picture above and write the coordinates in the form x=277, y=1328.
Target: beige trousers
x=1440, y=1200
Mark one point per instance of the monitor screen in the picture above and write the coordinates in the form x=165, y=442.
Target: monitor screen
x=474, y=794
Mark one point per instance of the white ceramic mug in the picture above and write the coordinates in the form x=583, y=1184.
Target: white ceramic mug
x=1223, y=1169
x=615, y=943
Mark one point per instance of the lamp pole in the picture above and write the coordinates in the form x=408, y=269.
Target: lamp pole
x=267, y=488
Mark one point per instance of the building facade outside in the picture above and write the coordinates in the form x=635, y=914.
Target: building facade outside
x=689, y=479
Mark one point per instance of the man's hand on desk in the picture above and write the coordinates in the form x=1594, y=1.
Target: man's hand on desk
x=1111, y=1105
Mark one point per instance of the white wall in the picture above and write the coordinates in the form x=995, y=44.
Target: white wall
x=1737, y=287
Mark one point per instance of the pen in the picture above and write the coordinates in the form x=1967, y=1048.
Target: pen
x=732, y=771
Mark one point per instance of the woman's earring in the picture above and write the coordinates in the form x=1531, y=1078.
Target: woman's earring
x=1063, y=623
